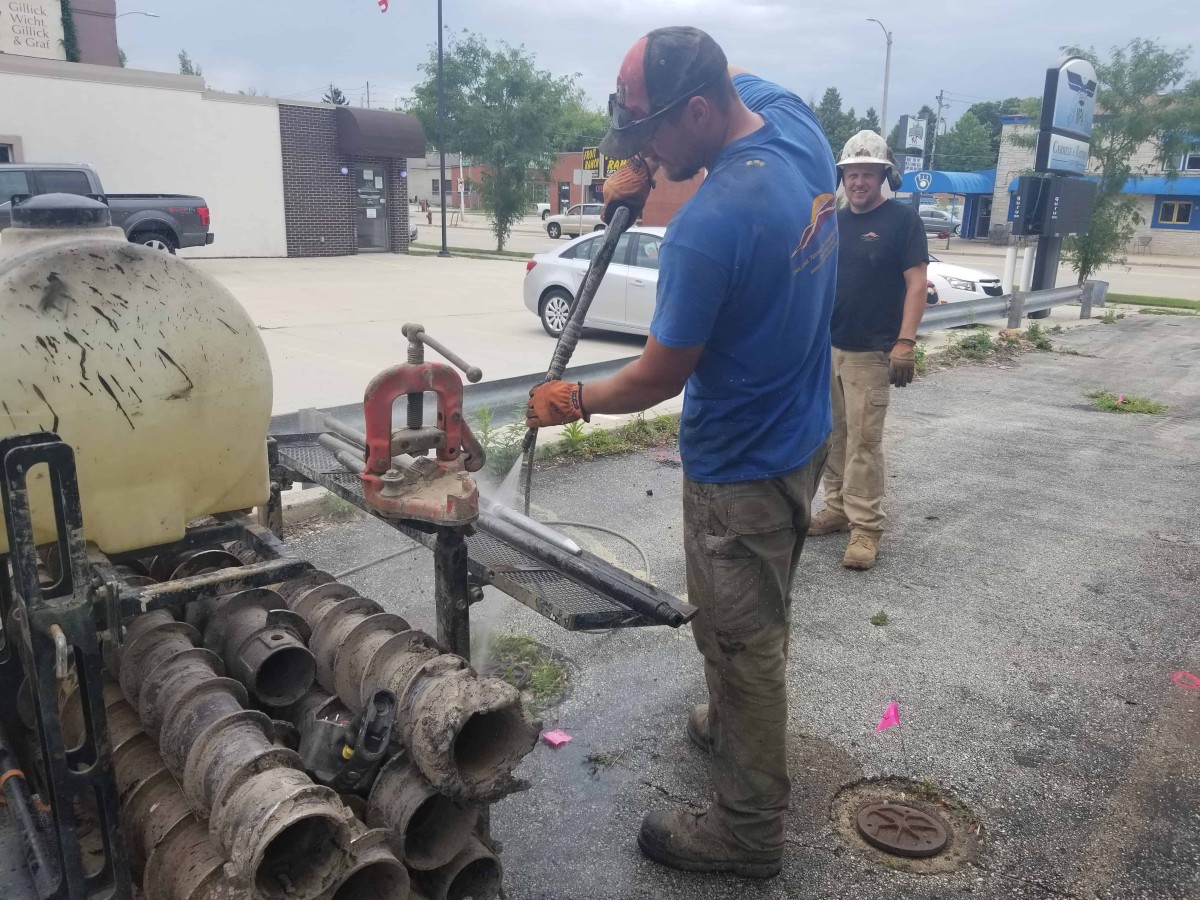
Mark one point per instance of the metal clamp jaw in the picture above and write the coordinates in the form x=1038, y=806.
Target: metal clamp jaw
x=438, y=489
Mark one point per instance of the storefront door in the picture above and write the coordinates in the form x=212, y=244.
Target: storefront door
x=371, y=189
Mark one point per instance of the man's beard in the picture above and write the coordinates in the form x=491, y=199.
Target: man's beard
x=675, y=174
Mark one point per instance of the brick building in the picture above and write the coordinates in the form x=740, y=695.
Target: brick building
x=1169, y=208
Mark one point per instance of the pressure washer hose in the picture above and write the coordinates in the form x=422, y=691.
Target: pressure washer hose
x=569, y=338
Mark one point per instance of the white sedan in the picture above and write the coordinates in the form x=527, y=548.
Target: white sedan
x=625, y=299
x=579, y=219
x=949, y=283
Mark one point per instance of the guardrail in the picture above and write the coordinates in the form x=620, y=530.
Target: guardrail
x=1013, y=307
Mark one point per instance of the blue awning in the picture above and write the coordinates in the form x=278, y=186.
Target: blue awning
x=1153, y=185
x=983, y=182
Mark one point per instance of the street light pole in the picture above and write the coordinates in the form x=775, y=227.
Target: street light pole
x=887, y=74
x=138, y=13
x=442, y=133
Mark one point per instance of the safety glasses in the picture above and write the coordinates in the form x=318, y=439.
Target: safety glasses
x=623, y=120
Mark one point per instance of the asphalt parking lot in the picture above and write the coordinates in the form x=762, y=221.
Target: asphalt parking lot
x=1040, y=577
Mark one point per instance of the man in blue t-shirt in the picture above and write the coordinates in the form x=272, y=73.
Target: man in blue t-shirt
x=745, y=295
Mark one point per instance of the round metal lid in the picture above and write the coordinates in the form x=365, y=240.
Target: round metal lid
x=902, y=830
x=60, y=211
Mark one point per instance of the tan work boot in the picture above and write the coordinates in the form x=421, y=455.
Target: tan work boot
x=686, y=840
x=697, y=727
x=862, y=551
x=827, y=522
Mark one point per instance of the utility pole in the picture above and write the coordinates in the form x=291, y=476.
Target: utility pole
x=887, y=74
x=937, y=124
x=441, y=115
x=368, y=95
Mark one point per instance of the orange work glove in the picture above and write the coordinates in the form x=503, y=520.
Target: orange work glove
x=902, y=363
x=555, y=403
x=629, y=186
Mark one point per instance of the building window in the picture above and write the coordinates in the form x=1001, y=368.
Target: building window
x=1172, y=212
x=449, y=187
x=6, y=153
x=1191, y=162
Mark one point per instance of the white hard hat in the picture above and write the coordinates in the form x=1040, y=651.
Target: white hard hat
x=866, y=147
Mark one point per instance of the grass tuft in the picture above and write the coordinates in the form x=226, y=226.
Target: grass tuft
x=547, y=676
x=879, y=619
x=1138, y=300
x=1107, y=401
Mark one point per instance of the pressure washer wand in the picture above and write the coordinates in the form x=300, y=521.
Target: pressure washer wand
x=591, y=282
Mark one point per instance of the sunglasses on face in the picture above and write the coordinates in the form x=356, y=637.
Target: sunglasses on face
x=623, y=119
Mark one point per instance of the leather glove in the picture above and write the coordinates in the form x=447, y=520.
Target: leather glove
x=629, y=186
x=902, y=363
x=555, y=403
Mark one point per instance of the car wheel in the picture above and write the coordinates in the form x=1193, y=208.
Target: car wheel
x=1039, y=314
x=545, y=214
x=554, y=230
x=556, y=310
x=598, y=228
x=155, y=240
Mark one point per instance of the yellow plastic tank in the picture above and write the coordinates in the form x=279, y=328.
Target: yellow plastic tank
x=148, y=368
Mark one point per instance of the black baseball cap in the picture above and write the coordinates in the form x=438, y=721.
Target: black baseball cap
x=662, y=70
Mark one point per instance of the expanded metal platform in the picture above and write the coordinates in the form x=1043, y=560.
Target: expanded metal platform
x=549, y=592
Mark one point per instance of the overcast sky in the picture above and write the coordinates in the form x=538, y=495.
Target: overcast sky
x=971, y=49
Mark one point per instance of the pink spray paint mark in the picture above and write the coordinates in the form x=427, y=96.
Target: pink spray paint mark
x=1186, y=680
x=556, y=738
x=891, y=717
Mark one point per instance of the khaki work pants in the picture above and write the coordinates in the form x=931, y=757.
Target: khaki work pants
x=855, y=472
x=742, y=542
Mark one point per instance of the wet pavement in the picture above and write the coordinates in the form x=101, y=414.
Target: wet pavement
x=1041, y=578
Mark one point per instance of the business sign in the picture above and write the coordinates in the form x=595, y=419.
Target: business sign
x=909, y=162
x=32, y=29
x=912, y=133
x=591, y=160
x=1053, y=205
x=611, y=166
x=1068, y=108
x=923, y=181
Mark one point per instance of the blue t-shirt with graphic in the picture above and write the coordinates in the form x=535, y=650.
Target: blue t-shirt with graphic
x=748, y=268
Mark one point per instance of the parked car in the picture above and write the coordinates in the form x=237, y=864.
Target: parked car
x=543, y=210
x=579, y=219
x=938, y=220
x=625, y=299
x=949, y=283
x=163, y=221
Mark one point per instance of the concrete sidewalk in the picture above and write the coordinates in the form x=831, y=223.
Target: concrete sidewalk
x=1039, y=575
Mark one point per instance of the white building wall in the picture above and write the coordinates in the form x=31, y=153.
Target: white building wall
x=147, y=132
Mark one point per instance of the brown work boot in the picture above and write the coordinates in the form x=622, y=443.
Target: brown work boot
x=697, y=727
x=862, y=551
x=686, y=840
x=827, y=522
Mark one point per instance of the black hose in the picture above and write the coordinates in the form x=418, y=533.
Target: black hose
x=41, y=861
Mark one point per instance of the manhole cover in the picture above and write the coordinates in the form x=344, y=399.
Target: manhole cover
x=902, y=830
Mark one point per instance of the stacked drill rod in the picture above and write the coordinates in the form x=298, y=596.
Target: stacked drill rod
x=217, y=803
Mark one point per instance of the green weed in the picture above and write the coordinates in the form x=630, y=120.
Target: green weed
x=1039, y=337
x=1151, y=311
x=880, y=619
x=976, y=345
x=920, y=360
x=1110, y=316
x=1125, y=403
x=501, y=443
x=636, y=434
x=572, y=437
x=547, y=676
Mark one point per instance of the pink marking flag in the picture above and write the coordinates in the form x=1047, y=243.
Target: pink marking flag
x=383, y=5
x=556, y=738
x=891, y=717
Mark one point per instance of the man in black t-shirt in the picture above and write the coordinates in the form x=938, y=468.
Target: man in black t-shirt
x=881, y=294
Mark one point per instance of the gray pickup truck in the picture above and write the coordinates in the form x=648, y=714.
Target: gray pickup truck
x=163, y=221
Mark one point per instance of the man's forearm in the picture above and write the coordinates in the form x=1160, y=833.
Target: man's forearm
x=632, y=389
x=914, y=308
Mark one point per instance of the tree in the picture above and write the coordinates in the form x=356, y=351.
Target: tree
x=966, y=147
x=581, y=127
x=869, y=122
x=1142, y=100
x=186, y=66
x=838, y=126
x=335, y=96
x=990, y=112
x=122, y=59
x=503, y=113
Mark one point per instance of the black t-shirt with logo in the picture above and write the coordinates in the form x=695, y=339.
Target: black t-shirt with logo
x=874, y=250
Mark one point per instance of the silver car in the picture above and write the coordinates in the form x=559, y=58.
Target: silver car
x=579, y=219
x=937, y=221
x=625, y=299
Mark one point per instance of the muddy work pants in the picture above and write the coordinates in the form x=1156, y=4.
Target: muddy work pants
x=855, y=472
x=742, y=543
